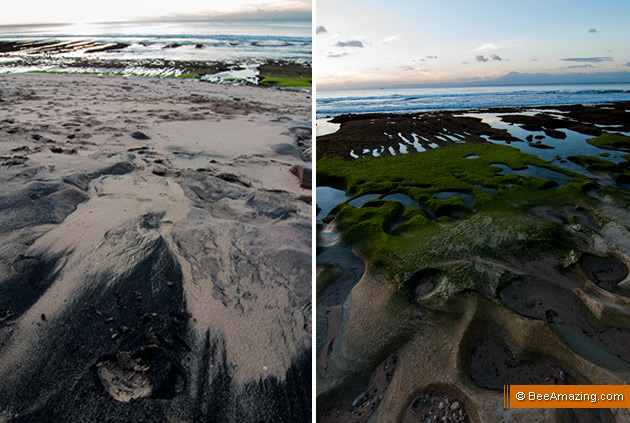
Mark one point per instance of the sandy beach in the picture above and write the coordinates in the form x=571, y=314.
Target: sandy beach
x=462, y=251
x=155, y=250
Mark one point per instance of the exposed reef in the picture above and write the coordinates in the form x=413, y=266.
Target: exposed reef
x=484, y=266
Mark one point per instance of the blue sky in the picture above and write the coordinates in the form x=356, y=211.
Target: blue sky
x=375, y=42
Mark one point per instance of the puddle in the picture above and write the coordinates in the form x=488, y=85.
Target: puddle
x=248, y=75
x=493, y=364
x=574, y=144
x=588, y=349
x=493, y=192
x=407, y=201
x=324, y=127
x=469, y=199
x=423, y=282
x=403, y=199
x=327, y=198
x=472, y=156
x=606, y=272
x=359, y=201
x=535, y=171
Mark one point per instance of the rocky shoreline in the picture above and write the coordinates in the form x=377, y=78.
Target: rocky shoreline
x=379, y=131
x=488, y=261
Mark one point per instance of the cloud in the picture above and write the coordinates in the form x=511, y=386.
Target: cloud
x=487, y=46
x=321, y=30
x=406, y=68
x=502, y=44
x=430, y=57
x=578, y=67
x=495, y=57
x=592, y=31
x=464, y=62
x=481, y=58
x=588, y=59
x=336, y=56
x=351, y=43
x=627, y=64
x=389, y=39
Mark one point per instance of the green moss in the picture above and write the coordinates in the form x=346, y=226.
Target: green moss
x=191, y=75
x=610, y=141
x=444, y=169
x=604, y=154
x=279, y=81
x=404, y=239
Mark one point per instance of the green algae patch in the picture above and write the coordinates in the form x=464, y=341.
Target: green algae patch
x=190, y=75
x=420, y=175
x=611, y=141
x=404, y=239
x=285, y=82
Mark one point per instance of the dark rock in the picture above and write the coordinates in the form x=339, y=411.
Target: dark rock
x=304, y=175
x=117, y=46
x=550, y=315
x=540, y=145
x=139, y=136
x=230, y=177
x=285, y=149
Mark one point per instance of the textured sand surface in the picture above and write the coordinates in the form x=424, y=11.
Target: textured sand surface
x=154, y=251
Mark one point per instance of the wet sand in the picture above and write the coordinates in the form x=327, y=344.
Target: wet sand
x=155, y=251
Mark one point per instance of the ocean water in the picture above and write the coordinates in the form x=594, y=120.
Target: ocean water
x=240, y=42
x=334, y=103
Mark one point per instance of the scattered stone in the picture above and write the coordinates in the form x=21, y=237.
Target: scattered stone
x=358, y=400
x=531, y=303
x=230, y=177
x=139, y=135
x=285, y=149
x=159, y=170
x=304, y=175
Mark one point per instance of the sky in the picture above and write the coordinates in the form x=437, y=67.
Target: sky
x=376, y=43
x=83, y=11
